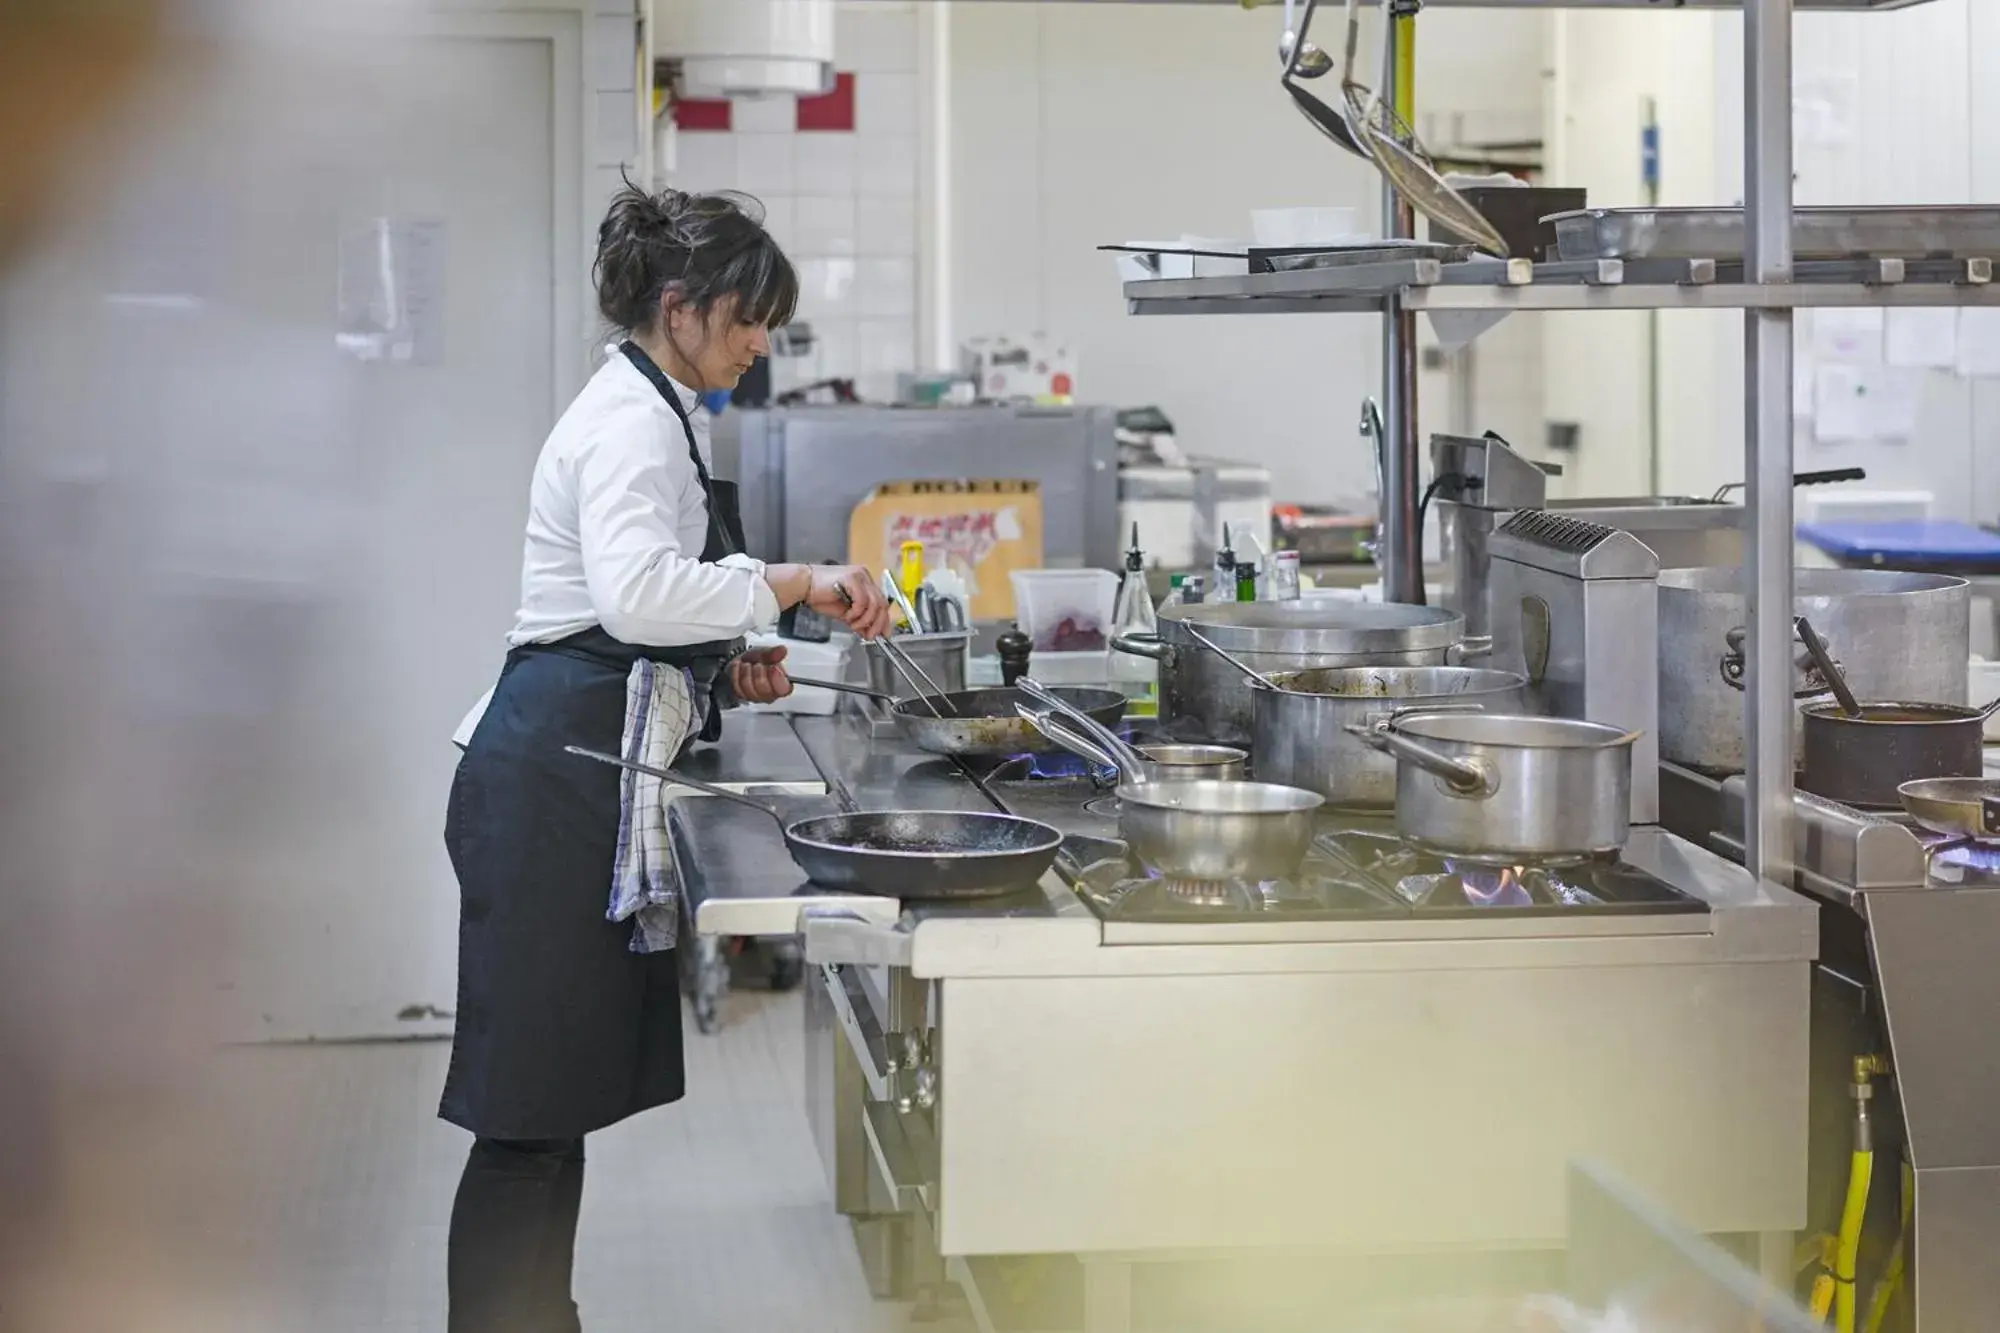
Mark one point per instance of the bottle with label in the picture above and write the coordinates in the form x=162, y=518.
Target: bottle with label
x=1246, y=582
x=1281, y=584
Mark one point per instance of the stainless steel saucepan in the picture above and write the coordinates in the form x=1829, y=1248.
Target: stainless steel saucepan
x=1862, y=753
x=1217, y=830
x=1301, y=735
x=1504, y=786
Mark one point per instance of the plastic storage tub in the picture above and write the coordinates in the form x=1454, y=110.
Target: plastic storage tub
x=1066, y=610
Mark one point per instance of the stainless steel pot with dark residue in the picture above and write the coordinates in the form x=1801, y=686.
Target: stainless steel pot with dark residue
x=1300, y=734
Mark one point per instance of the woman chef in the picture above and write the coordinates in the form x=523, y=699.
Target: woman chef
x=635, y=593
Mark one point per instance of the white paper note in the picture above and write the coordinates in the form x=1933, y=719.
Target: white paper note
x=1862, y=403
x=1979, y=342
x=1923, y=339
x=1823, y=109
x=390, y=291
x=1852, y=337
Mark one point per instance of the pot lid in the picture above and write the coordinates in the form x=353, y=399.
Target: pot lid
x=1316, y=627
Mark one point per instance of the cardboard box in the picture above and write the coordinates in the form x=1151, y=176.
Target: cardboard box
x=985, y=530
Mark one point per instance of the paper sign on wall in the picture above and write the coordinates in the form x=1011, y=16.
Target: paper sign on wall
x=1852, y=337
x=1823, y=108
x=1854, y=404
x=1922, y=338
x=390, y=294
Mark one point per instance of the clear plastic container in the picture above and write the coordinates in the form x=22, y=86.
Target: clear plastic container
x=1066, y=610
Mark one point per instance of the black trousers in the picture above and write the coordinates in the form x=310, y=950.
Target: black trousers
x=513, y=1237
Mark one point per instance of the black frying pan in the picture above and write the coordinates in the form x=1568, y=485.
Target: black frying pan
x=979, y=723
x=898, y=853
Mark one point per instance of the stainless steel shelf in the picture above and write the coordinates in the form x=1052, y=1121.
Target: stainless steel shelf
x=1610, y=284
x=1838, y=6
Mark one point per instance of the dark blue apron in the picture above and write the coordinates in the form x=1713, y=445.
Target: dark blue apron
x=561, y=1028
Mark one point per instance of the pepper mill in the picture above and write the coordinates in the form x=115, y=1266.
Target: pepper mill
x=1014, y=648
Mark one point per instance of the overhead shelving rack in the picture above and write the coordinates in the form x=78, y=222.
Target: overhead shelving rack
x=1766, y=283
x=1600, y=284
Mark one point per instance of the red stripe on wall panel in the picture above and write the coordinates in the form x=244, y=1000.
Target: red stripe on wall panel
x=701, y=115
x=834, y=111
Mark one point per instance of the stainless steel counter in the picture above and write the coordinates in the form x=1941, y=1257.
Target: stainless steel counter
x=1474, y=1059
x=755, y=748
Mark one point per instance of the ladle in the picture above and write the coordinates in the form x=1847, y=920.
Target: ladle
x=1816, y=647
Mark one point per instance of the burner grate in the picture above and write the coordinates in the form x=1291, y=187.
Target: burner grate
x=1473, y=886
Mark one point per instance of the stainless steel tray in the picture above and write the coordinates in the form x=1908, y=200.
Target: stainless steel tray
x=1962, y=231
x=1372, y=252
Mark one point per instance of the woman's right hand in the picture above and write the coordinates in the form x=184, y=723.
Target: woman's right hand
x=849, y=594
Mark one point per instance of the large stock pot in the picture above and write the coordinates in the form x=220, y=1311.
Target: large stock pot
x=1203, y=698
x=1894, y=635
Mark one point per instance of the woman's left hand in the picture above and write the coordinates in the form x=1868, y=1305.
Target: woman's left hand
x=757, y=676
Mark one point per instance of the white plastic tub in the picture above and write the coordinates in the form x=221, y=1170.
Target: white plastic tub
x=1052, y=606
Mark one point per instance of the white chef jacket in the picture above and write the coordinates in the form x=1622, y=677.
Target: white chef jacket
x=616, y=525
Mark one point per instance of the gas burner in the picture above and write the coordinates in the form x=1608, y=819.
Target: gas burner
x=1059, y=766
x=1952, y=860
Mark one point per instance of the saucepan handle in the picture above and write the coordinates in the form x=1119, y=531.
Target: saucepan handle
x=1055, y=728
x=1141, y=645
x=1464, y=779
x=1411, y=710
x=1123, y=756
x=842, y=687
x=1469, y=650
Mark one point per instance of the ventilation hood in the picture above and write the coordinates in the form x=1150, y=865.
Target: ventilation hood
x=747, y=48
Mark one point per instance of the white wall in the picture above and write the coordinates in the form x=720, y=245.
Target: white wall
x=1075, y=125
x=1605, y=67
x=1916, y=89
x=1920, y=85
x=843, y=204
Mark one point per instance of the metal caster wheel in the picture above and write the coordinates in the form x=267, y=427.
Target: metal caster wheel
x=787, y=970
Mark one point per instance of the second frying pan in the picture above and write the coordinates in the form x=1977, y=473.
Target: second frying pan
x=898, y=853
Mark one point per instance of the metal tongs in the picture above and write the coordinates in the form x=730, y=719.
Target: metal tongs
x=914, y=676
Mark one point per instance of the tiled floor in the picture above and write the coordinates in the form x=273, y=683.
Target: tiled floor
x=710, y=1215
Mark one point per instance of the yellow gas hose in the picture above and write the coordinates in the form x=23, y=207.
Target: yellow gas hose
x=1892, y=1273
x=1847, y=1249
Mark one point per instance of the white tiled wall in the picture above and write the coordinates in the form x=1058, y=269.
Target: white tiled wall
x=614, y=72
x=844, y=205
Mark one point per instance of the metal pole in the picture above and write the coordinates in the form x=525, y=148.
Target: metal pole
x=1767, y=559
x=1402, y=553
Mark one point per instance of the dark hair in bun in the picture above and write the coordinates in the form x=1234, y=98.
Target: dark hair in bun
x=702, y=247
